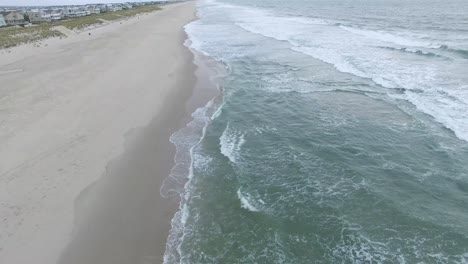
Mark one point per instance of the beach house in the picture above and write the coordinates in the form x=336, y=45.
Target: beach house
x=93, y=9
x=72, y=12
x=2, y=21
x=38, y=16
x=56, y=14
x=113, y=7
x=15, y=19
x=75, y=12
x=126, y=6
x=102, y=8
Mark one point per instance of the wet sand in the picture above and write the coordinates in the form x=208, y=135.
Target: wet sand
x=85, y=127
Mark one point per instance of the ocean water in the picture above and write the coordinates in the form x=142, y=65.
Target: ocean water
x=340, y=135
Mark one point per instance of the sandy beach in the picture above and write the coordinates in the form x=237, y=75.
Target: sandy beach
x=84, y=141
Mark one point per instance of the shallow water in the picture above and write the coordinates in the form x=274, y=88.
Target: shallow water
x=342, y=136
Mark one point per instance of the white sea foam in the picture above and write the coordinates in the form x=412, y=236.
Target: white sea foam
x=217, y=113
x=391, y=38
x=427, y=82
x=180, y=180
x=357, y=51
x=195, y=43
x=231, y=142
x=245, y=202
x=350, y=52
x=462, y=259
x=355, y=246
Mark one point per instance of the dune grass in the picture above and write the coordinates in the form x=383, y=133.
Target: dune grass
x=79, y=22
x=13, y=36
x=10, y=37
x=129, y=12
x=82, y=22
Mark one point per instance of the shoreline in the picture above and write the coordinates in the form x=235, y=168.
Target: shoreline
x=91, y=239
x=121, y=131
x=208, y=88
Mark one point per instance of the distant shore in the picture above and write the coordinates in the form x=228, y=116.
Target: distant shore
x=85, y=127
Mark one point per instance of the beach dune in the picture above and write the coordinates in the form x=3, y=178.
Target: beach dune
x=84, y=129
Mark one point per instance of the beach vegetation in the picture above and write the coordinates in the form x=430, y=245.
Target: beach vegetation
x=13, y=36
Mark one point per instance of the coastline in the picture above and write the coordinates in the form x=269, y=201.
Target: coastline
x=86, y=141
x=178, y=185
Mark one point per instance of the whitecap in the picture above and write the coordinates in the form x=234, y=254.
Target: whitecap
x=231, y=142
x=245, y=202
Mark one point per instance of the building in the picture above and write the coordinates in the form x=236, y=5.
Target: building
x=113, y=7
x=71, y=12
x=56, y=14
x=75, y=12
x=126, y=6
x=102, y=8
x=14, y=19
x=93, y=9
x=38, y=16
x=2, y=21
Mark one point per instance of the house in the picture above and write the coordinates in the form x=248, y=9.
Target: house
x=56, y=14
x=125, y=6
x=113, y=7
x=72, y=12
x=38, y=16
x=75, y=12
x=2, y=21
x=15, y=19
x=93, y=9
x=102, y=8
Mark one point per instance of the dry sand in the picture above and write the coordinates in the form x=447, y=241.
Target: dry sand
x=84, y=129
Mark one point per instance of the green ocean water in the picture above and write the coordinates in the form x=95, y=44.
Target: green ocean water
x=341, y=136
